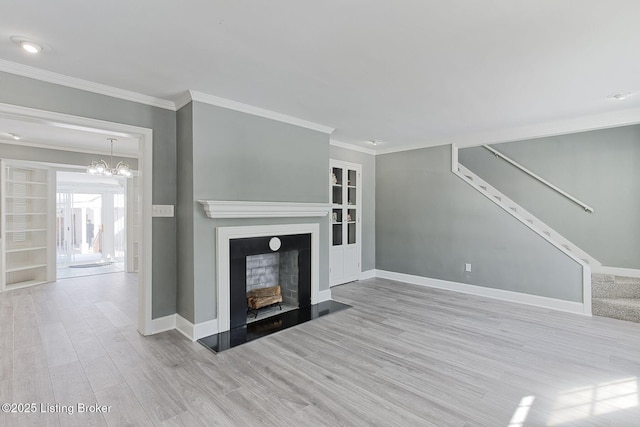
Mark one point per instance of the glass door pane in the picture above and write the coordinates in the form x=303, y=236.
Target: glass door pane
x=351, y=187
x=78, y=219
x=336, y=185
x=351, y=226
x=90, y=224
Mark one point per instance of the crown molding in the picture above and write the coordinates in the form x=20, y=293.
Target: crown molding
x=351, y=147
x=539, y=130
x=181, y=100
x=257, y=111
x=86, y=85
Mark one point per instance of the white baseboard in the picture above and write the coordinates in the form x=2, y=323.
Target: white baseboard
x=205, y=329
x=324, y=295
x=538, y=301
x=163, y=324
x=184, y=327
x=197, y=331
x=626, y=272
x=369, y=274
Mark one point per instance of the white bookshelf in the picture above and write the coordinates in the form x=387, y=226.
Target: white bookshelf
x=24, y=225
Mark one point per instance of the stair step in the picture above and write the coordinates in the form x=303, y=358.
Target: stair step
x=617, y=308
x=610, y=286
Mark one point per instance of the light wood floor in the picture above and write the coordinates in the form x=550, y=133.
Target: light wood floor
x=402, y=356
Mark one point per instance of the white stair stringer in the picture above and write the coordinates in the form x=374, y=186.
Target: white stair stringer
x=556, y=239
x=525, y=217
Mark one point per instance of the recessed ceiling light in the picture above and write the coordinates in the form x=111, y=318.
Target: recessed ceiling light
x=27, y=45
x=31, y=47
x=620, y=96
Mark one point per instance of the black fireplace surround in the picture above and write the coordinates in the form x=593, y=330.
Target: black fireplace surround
x=240, y=332
x=240, y=249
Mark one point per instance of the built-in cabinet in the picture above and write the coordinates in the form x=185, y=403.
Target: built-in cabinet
x=24, y=226
x=345, y=184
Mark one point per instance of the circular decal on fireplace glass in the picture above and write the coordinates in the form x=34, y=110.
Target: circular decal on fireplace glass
x=275, y=244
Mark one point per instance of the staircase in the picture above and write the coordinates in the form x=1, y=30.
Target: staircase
x=606, y=295
x=617, y=297
x=526, y=218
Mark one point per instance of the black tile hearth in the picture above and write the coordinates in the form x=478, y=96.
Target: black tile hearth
x=261, y=328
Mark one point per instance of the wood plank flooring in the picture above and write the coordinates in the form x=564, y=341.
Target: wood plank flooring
x=402, y=356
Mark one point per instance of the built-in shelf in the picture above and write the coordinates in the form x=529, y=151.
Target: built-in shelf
x=25, y=267
x=26, y=197
x=25, y=213
x=26, y=283
x=32, y=248
x=25, y=202
x=12, y=181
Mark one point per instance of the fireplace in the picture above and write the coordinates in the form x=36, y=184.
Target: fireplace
x=266, y=262
x=297, y=244
x=312, y=303
x=236, y=245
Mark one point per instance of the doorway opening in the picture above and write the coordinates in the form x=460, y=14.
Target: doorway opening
x=83, y=135
x=91, y=224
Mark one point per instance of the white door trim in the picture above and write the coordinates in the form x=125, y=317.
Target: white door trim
x=145, y=166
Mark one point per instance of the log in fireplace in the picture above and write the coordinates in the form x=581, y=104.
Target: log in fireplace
x=263, y=297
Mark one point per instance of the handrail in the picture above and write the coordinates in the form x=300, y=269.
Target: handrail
x=586, y=207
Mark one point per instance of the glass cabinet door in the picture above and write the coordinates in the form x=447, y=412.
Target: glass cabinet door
x=345, y=197
x=337, y=196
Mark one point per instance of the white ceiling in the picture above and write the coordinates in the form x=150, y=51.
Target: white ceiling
x=412, y=72
x=47, y=134
x=82, y=179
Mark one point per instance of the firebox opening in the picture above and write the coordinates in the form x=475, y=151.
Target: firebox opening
x=272, y=284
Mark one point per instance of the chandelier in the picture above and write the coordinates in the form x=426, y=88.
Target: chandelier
x=101, y=167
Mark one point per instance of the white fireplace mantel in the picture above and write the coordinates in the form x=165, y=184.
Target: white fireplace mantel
x=239, y=209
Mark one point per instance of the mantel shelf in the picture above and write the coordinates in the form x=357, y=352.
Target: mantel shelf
x=239, y=209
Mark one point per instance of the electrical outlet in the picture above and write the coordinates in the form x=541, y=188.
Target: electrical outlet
x=467, y=267
x=162, y=211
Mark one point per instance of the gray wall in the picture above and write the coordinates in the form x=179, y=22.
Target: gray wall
x=600, y=168
x=32, y=93
x=368, y=162
x=237, y=156
x=430, y=223
x=184, y=212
